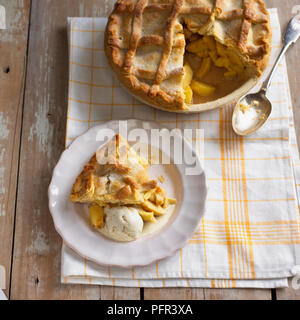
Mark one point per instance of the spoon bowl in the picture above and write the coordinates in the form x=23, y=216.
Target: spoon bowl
x=251, y=113
x=253, y=110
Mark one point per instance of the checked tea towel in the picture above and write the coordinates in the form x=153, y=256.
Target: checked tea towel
x=249, y=236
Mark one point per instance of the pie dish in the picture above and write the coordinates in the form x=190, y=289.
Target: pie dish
x=188, y=55
x=122, y=199
x=71, y=220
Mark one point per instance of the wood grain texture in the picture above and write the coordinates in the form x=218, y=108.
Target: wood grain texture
x=13, y=46
x=174, y=294
x=292, y=56
x=118, y=293
x=289, y=293
x=207, y=294
x=36, y=259
x=237, y=294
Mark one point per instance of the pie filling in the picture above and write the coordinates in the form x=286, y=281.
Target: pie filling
x=211, y=69
x=129, y=222
x=123, y=201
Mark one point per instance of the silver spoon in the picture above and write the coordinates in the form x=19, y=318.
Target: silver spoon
x=253, y=110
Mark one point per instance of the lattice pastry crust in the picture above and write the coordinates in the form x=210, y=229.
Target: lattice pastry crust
x=114, y=175
x=145, y=43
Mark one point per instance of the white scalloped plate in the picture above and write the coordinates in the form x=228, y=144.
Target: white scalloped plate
x=72, y=223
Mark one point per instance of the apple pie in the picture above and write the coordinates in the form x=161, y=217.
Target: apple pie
x=121, y=196
x=178, y=54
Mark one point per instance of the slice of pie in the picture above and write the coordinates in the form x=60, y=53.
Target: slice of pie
x=174, y=54
x=116, y=186
x=114, y=175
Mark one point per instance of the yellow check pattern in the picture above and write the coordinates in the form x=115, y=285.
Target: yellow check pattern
x=250, y=234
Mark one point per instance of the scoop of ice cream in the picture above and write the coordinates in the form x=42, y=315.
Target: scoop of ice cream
x=123, y=223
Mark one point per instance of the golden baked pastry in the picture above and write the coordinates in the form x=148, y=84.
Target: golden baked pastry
x=116, y=179
x=176, y=53
x=114, y=175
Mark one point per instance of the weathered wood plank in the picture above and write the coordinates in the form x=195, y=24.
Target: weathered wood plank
x=174, y=294
x=36, y=263
x=237, y=294
x=116, y=293
x=289, y=293
x=292, y=56
x=207, y=294
x=13, y=46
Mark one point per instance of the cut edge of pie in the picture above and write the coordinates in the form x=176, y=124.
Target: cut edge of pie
x=117, y=176
x=245, y=29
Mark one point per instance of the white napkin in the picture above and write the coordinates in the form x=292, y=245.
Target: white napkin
x=250, y=235
x=2, y=295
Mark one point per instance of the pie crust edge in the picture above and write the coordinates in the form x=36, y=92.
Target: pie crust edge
x=154, y=95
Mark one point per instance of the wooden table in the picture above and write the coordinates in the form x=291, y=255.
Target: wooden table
x=33, y=106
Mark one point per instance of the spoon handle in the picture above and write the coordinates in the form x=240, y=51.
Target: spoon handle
x=291, y=36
